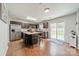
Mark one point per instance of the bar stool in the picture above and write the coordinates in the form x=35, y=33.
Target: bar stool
x=41, y=37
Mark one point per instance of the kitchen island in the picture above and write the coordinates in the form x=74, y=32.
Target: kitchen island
x=30, y=38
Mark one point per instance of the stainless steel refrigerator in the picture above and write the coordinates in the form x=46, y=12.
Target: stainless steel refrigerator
x=15, y=32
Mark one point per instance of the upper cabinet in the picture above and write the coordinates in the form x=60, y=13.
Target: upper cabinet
x=3, y=13
x=45, y=25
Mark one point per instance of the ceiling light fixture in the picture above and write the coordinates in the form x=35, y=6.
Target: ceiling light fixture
x=30, y=18
x=46, y=10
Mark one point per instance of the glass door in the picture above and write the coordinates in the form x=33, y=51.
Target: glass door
x=60, y=31
x=57, y=31
x=53, y=31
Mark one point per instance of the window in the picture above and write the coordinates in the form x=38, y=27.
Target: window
x=57, y=31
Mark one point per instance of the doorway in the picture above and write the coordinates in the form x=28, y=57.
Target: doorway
x=57, y=31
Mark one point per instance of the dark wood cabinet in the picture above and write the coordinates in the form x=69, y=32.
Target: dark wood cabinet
x=29, y=40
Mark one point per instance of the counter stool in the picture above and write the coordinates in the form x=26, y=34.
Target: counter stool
x=41, y=37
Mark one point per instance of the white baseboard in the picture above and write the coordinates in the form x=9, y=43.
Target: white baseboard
x=6, y=50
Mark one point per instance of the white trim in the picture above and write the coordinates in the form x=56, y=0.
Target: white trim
x=5, y=51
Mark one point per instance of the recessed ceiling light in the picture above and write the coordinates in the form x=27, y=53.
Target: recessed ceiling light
x=30, y=18
x=46, y=10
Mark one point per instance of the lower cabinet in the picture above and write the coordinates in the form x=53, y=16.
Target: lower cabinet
x=30, y=39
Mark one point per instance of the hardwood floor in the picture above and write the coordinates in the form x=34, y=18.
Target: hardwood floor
x=46, y=48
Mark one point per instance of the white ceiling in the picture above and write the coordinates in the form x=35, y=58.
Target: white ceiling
x=36, y=10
